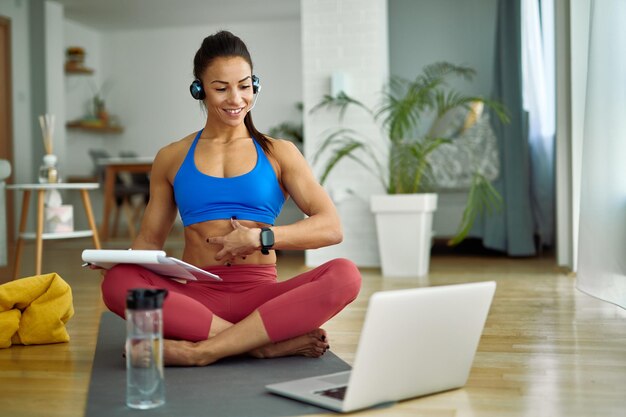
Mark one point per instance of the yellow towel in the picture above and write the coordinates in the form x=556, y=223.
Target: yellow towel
x=34, y=310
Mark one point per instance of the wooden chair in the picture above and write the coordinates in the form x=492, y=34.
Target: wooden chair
x=140, y=181
x=127, y=193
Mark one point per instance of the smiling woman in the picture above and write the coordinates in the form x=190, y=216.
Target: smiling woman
x=229, y=183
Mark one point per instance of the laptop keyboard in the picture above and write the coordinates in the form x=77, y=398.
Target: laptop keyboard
x=337, y=392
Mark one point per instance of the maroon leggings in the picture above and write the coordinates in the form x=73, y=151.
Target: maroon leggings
x=290, y=308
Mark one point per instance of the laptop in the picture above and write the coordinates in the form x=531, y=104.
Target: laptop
x=414, y=342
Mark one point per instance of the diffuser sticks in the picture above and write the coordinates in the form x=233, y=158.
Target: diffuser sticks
x=46, y=122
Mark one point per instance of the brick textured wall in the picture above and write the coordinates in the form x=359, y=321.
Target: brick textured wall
x=351, y=37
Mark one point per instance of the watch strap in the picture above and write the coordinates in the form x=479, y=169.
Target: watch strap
x=267, y=240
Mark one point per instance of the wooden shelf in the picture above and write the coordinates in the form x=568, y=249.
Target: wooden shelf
x=77, y=69
x=57, y=235
x=94, y=128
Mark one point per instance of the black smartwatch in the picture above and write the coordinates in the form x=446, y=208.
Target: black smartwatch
x=267, y=240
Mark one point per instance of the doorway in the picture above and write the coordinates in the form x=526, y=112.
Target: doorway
x=6, y=138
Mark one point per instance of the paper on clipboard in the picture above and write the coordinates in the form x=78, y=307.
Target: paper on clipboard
x=154, y=260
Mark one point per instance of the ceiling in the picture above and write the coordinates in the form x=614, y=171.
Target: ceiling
x=111, y=15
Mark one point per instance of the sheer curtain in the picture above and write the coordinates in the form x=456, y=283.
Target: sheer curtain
x=539, y=101
x=602, y=231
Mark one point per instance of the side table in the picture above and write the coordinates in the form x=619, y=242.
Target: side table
x=39, y=235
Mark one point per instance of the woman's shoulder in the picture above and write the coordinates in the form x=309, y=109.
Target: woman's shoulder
x=286, y=156
x=282, y=148
x=174, y=149
x=171, y=155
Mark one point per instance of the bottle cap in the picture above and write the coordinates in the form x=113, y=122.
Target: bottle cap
x=145, y=298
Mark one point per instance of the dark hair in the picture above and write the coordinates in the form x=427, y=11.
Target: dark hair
x=225, y=44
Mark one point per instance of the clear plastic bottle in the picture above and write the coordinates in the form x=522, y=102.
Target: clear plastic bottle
x=145, y=384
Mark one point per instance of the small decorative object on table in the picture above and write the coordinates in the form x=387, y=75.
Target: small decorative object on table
x=48, y=172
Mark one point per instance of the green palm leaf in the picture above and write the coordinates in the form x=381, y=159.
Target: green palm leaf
x=338, y=155
x=342, y=101
x=338, y=137
x=483, y=197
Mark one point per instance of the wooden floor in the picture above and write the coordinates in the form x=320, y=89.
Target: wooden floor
x=547, y=349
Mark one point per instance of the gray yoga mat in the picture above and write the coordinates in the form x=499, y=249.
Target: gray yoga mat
x=233, y=387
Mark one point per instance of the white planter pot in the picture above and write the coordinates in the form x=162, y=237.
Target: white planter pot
x=404, y=226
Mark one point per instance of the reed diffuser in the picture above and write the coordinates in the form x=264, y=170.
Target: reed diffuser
x=48, y=172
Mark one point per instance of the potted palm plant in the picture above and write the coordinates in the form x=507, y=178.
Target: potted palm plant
x=413, y=115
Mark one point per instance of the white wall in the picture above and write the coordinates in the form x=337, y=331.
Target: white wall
x=79, y=91
x=55, y=92
x=564, y=232
x=426, y=31
x=348, y=36
x=579, y=35
x=572, y=62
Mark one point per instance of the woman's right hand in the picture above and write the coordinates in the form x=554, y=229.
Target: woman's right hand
x=241, y=241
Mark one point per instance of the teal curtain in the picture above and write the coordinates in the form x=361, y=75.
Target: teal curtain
x=511, y=230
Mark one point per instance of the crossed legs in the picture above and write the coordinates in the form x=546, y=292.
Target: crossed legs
x=246, y=336
x=285, y=319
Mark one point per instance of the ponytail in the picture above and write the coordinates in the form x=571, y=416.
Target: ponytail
x=258, y=136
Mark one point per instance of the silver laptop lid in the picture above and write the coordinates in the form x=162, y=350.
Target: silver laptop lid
x=417, y=341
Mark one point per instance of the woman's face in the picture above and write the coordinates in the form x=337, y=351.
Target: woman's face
x=227, y=83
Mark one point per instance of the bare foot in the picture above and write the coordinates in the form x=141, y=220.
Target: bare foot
x=313, y=344
x=182, y=353
x=144, y=352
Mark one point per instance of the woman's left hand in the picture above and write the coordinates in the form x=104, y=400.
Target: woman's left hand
x=241, y=241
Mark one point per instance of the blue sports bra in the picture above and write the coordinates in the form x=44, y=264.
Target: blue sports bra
x=255, y=196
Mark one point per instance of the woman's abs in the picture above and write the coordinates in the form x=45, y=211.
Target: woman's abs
x=200, y=253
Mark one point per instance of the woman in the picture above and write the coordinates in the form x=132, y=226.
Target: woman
x=229, y=183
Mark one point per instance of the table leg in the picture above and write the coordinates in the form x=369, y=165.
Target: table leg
x=92, y=224
x=20, y=240
x=39, y=239
x=109, y=184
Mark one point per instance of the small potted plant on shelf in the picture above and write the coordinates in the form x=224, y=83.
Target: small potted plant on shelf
x=414, y=117
x=99, y=105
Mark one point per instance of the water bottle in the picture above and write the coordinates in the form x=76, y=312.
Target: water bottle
x=145, y=385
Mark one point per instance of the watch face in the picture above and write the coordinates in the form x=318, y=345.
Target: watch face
x=267, y=238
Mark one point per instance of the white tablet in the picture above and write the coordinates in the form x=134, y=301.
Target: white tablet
x=154, y=260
